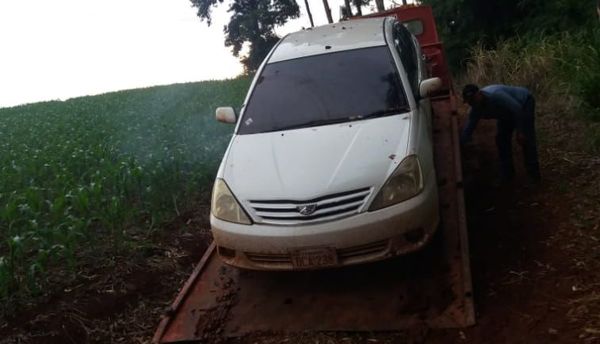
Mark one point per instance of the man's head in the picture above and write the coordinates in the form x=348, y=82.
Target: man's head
x=472, y=95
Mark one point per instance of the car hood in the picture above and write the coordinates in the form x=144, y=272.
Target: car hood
x=304, y=164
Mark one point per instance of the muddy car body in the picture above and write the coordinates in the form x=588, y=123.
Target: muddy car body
x=331, y=160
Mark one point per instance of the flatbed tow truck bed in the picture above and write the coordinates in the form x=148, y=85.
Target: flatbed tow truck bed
x=431, y=288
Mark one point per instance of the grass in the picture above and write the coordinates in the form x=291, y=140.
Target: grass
x=100, y=170
x=561, y=70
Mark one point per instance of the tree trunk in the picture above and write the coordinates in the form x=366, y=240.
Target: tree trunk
x=358, y=5
x=379, y=4
x=312, y=24
x=328, y=11
x=348, y=8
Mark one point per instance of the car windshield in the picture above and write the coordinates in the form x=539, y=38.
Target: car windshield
x=324, y=89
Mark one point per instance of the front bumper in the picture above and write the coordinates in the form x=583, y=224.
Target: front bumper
x=361, y=238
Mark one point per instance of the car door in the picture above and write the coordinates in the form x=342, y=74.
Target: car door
x=411, y=57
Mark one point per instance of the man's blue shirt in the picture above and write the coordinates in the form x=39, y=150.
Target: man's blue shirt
x=501, y=102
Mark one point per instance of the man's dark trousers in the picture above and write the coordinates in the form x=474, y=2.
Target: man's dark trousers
x=504, y=143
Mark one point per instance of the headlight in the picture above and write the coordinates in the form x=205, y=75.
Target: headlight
x=224, y=205
x=406, y=182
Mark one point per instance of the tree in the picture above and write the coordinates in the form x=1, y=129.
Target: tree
x=327, y=11
x=359, y=4
x=463, y=23
x=348, y=8
x=252, y=22
x=312, y=23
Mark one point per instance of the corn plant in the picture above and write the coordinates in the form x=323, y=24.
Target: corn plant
x=84, y=173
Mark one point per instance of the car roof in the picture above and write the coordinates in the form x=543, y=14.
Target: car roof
x=347, y=35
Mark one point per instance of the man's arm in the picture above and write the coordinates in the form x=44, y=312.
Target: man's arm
x=470, y=126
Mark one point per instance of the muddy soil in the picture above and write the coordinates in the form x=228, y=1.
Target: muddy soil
x=534, y=252
x=117, y=298
x=534, y=267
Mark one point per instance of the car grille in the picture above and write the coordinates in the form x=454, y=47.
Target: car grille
x=286, y=212
x=269, y=258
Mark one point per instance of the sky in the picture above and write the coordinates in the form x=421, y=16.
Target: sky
x=59, y=49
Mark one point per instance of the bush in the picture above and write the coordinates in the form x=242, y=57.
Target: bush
x=463, y=23
x=562, y=70
x=580, y=64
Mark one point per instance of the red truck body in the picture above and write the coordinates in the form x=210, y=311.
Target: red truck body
x=420, y=21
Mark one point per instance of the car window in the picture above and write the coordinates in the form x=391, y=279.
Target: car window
x=414, y=26
x=324, y=89
x=408, y=55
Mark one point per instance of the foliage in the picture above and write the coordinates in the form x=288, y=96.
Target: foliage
x=465, y=23
x=562, y=70
x=252, y=22
x=550, y=46
x=556, y=15
x=102, y=169
x=580, y=64
x=205, y=9
x=358, y=4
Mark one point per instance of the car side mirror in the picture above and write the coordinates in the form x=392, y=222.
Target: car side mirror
x=226, y=114
x=428, y=86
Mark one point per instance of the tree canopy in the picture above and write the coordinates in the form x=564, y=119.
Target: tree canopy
x=463, y=23
x=252, y=22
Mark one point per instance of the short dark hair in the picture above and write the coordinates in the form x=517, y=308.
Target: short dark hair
x=469, y=91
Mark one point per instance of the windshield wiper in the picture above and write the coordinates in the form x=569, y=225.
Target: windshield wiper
x=318, y=122
x=380, y=113
x=314, y=123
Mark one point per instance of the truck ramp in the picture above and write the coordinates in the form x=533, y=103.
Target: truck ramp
x=430, y=288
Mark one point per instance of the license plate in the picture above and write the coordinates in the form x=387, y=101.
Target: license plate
x=314, y=257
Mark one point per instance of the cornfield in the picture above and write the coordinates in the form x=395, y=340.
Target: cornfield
x=100, y=170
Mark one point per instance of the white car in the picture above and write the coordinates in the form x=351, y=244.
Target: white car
x=331, y=160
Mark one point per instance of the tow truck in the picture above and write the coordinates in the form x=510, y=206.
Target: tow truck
x=431, y=288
